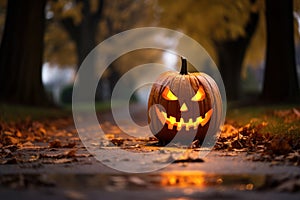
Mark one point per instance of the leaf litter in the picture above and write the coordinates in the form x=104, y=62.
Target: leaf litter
x=45, y=142
x=263, y=145
x=32, y=143
x=56, y=141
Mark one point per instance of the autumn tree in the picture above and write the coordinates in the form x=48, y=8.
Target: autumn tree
x=224, y=28
x=21, y=53
x=87, y=23
x=280, y=73
x=2, y=15
x=120, y=16
x=231, y=51
x=80, y=19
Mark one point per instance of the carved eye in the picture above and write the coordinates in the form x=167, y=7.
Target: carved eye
x=168, y=95
x=200, y=95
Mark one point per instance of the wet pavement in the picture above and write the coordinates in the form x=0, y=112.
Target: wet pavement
x=62, y=173
x=221, y=175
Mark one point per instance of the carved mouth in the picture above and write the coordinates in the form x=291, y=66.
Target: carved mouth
x=171, y=121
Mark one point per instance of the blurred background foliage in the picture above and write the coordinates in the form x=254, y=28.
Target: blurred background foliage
x=232, y=31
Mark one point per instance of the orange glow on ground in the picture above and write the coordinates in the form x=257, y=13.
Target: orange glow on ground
x=183, y=179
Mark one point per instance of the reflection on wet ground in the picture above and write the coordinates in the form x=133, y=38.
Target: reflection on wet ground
x=179, y=185
x=183, y=180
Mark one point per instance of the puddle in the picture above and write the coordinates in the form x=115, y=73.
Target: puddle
x=191, y=180
x=200, y=180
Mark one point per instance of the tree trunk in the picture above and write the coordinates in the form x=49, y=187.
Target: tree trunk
x=280, y=80
x=230, y=58
x=21, y=53
x=86, y=41
x=84, y=34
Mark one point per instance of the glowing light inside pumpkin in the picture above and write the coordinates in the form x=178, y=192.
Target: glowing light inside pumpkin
x=183, y=108
x=200, y=95
x=168, y=95
x=171, y=121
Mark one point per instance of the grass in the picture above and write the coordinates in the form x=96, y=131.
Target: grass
x=20, y=112
x=99, y=106
x=276, y=124
x=279, y=119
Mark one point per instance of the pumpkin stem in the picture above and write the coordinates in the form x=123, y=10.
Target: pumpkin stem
x=183, y=70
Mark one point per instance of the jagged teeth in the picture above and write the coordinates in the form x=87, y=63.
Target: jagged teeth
x=170, y=126
x=165, y=115
x=171, y=122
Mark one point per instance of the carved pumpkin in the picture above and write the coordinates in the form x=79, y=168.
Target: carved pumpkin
x=182, y=105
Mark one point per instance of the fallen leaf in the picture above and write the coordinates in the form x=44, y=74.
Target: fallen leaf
x=236, y=144
x=8, y=133
x=297, y=112
x=230, y=154
x=27, y=144
x=189, y=160
x=59, y=161
x=84, y=155
x=12, y=140
x=55, y=144
x=292, y=185
x=69, y=145
x=42, y=130
x=279, y=146
x=18, y=134
x=65, y=154
x=9, y=161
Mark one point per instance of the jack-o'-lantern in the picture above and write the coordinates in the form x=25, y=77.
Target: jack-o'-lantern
x=182, y=105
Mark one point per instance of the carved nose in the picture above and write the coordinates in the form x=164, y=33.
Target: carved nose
x=184, y=108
